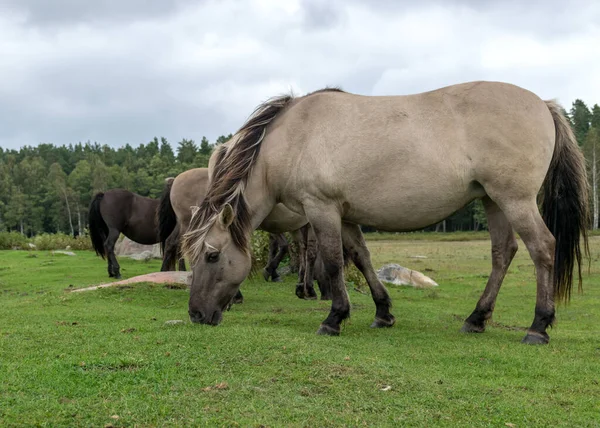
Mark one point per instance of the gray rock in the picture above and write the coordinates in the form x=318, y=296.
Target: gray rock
x=173, y=322
x=399, y=275
x=127, y=247
x=144, y=255
x=66, y=253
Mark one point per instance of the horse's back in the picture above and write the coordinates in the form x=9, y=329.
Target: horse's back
x=115, y=207
x=426, y=155
x=131, y=214
x=188, y=189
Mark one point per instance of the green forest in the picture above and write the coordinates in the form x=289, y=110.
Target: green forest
x=47, y=188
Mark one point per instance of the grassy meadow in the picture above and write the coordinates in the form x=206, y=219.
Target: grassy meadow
x=108, y=358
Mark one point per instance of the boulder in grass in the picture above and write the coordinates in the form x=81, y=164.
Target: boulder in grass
x=144, y=255
x=399, y=275
x=66, y=253
x=128, y=248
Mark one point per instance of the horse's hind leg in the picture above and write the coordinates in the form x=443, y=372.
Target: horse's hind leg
x=180, y=259
x=528, y=223
x=109, y=246
x=305, y=289
x=300, y=237
x=504, y=247
x=278, y=248
x=171, y=250
x=273, y=244
x=355, y=246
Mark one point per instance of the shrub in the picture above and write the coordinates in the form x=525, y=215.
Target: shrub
x=46, y=241
x=353, y=277
x=10, y=240
x=260, y=250
x=60, y=241
x=43, y=242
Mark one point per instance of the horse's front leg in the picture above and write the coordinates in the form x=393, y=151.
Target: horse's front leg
x=326, y=223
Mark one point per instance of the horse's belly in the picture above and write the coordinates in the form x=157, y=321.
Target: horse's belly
x=405, y=211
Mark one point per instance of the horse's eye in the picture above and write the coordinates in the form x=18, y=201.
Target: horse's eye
x=212, y=257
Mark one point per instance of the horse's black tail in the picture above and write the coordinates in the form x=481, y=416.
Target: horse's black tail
x=98, y=227
x=565, y=206
x=167, y=220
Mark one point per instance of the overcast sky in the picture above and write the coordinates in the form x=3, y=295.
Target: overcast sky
x=124, y=71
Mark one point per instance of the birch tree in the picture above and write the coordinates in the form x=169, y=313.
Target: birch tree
x=591, y=150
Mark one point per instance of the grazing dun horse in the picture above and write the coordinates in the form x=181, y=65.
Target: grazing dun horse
x=398, y=163
x=119, y=211
x=183, y=193
x=179, y=196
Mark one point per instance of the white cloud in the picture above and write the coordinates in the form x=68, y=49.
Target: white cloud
x=103, y=72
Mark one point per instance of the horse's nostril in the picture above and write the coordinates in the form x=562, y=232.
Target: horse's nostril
x=196, y=316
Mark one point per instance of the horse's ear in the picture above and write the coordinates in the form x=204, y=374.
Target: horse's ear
x=226, y=216
x=194, y=209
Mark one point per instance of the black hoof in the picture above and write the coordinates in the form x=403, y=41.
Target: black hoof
x=300, y=291
x=276, y=279
x=118, y=276
x=472, y=328
x=534, y=338
x=325, y=297
x=326, y=330
x=381, y=322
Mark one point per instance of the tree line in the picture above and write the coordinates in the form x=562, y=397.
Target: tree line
x=48, y=188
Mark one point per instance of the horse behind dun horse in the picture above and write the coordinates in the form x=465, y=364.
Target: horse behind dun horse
x=120, y=211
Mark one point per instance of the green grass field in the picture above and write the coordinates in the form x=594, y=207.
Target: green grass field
x=107, y=358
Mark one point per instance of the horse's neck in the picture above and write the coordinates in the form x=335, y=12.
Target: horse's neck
x=260, y=201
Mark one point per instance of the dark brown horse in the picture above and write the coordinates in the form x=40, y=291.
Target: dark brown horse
x=121, y=211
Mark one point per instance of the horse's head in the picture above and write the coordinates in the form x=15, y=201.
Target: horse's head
x=219, y=270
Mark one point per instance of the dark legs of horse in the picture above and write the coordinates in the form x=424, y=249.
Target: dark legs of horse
x=171, y=250
x=354, y=244
x=109, y=246
x=181, y=260
x=278, y=248
x=525, y=218
x=308, y=243
x=504, y=247
x=321, y=278
x=327, y=226
x=540, y=243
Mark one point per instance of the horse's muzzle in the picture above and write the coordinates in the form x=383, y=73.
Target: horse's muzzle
x=208, y=317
